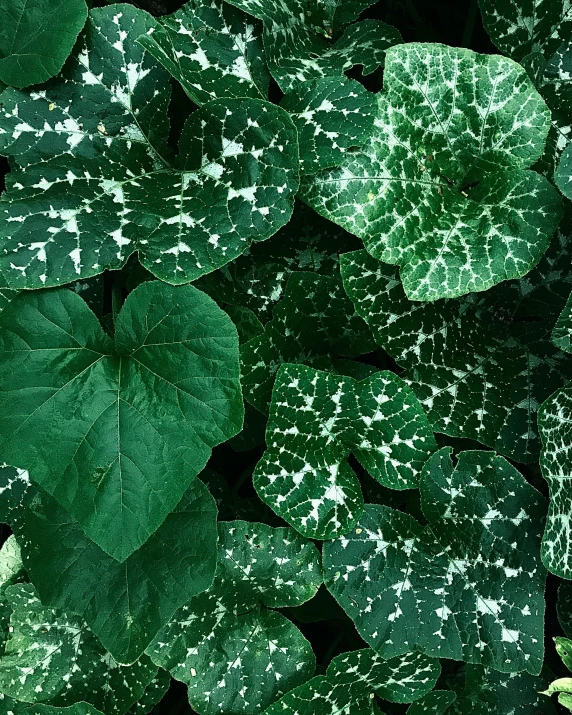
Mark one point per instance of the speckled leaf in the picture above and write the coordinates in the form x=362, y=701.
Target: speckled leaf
x=236, y=655
x=77, y=709
x=313, y=321
x=140, y=414
x=563, y=173
x=53, y=656
x=316, y=420
x=555, y=425
x=153, y=694
x=124, y=604
x=331, y=115
x=468, y=586
x=11, y=567
x=564, y=607
x=518, y=27
x=213, y=50
x=247, y=324
x=352, y=679
x=93, y=181
x=481, y=368
x=406, y=193
x=36, y=37
x=297, y=51
x=333, y=15
x=435, y=703
x=562, y=333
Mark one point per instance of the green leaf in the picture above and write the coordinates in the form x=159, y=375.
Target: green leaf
x=236, y=655
x=468, y=586
x=554, y=423
x=139, y=414
x=333, y=15
x=407, y=192
x=77, y=709
x=435, y=703
x=314, y=320
x=331, y=115
x=124, y=604
x=480, y=368
x=92, y=179
x=297, y=51
x=316, y=420
x=53, y=656
x=352, y=680
x=562, y=333
x=36, y=37
x=518, y=27
x=153, y=694
x=11, y=567
x=247, y=324
x=563, y=173
x=564, y=607
x=213, y=50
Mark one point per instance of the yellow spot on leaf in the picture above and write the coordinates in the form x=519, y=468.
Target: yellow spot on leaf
x=101, y=129
x=51, y=106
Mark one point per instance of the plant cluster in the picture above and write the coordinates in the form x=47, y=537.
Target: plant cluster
x=285, y=343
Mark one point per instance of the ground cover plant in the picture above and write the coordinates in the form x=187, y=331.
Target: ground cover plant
x=285, y=357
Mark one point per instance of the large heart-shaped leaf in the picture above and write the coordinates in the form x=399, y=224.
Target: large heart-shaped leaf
x=124, y=604
x=480, y=368
x=468, y=586
x=352, y=679
x=36, y=37
x=447, y=118
x=213, y=50
x=316, y=420
x=92, y=179
x=51, y=656
x=236, y=655
x=115, y=430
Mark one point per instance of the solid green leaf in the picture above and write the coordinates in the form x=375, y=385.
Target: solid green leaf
x=468, y=586
x=481, y=368
x=124, y=604
x=92, y=179
x=518, y=27
x=554, y=422
x=352, y=680
x=331, y=115
x=234, y=653
x=296, y=49
x=115, y=430
x=318, y=418
x=447, y=118
x=52, y=656
x=313, y=321
x=213, y=50
x=36, y=37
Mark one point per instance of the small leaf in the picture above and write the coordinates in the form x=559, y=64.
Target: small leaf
x=140, y=414
x=153, y=694
x=36, y=37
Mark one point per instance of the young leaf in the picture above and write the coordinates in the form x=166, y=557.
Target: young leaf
x=480, y=368
x=468, y=586
x=407, y=192
x=331, y=115
x=116, y=430
x=316, y=420
x=554, y=423
x=352, y=680
x=313, y=320
x=124, y=604
x=53, y=657
x=92, y=181
x=235, y=654
x=518, y=27
x=36, y=37
x=213, y=50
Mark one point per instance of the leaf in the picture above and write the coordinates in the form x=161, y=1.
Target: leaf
x=247, y=324
x=313, y=320
x=77, y=709
x=297, y=51
x=53, y=656
x=562, y=333
x=213, y=50
x=481, y=368
x=407, y=192
x=124, y=604
x=554, y=420
x=468, y=586
x=316, y=420
x=434, y=703
x=519, y=27
x=11, y=567
x=140, y=414
x=335, y=14
x=153, y=694
x=562, y=175
x=331, y=115
x=352, y=680
x=235, y=654
x=93, y=181
x=564, y=607
x=36, y=38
